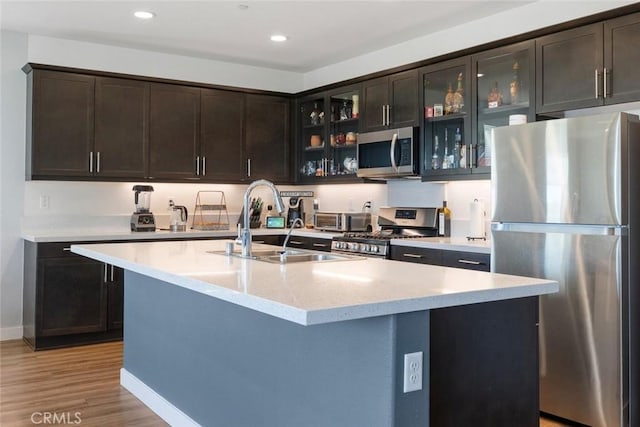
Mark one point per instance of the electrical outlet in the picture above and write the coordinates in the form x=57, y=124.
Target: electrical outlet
x=412, y=372
x=171, y=201
x=44, y=202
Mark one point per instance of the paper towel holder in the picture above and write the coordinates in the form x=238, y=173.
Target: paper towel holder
x=482, y=214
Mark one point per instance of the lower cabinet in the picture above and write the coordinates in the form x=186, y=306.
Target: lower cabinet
x=445, y=258
x=303, y=242
x=483, y=358
x=69, y=299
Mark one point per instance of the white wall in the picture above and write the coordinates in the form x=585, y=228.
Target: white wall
x=529, y=17
x=13, y=55
x=92, y=56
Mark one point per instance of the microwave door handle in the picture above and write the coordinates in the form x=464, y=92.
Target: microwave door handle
x=392, y=152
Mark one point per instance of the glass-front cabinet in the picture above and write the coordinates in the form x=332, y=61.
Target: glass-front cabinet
x=328, y=133
x=467, y=97
x=447, y=145
x=504, y=93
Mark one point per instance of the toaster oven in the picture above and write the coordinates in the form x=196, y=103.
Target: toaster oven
x=342, y=221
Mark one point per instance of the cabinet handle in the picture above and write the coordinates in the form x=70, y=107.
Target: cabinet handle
x=466, y=261
x=384, y=116
x=388, y=115
x=91, y=162
x=97, y=162
x=249, y=167
x=66, y=249
x=320, y=245
x=295, y=242
x=112, y=268
x=105, y=272
x=204, y=165
x=595, y=78
x=412, y=255
x=604, y=82
x=198, y=166
x=258, y=241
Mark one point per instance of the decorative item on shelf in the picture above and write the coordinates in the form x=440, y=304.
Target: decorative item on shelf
x=448, y=101
x=340, y=139
x=332, y=140
x=437, y=110
x=435, y=161
x=315, y=115
x=351, y=138
x=355, y=109
x=514, y=87
x=445, y=158
x=345, y=111
x=316, y=140
x=495, y=97
x=457, y=148
x=428, y=112
x=350, y=165
x=458, y=97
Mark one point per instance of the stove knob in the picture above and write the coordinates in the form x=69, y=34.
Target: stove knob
x=365, y=248
x=374, y=249
x=355, y=246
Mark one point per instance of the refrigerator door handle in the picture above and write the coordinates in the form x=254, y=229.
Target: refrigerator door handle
x=599, y=230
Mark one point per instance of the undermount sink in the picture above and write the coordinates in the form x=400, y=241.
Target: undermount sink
x=304, y=257
x=276, y=256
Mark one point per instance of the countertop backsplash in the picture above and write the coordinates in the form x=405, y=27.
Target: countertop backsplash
x=108, y=205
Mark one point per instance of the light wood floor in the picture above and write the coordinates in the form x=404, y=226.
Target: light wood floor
x=84, y=380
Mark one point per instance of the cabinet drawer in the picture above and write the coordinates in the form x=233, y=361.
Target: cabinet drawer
x=56, y=250
x=467, y=260
x=418, y=255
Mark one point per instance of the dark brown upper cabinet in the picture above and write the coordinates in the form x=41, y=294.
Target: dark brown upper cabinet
x=390, y=101
x=121, y=128
x=588, y=66
x=267, y=139
x=60, y=122
x=174, y=132
x=221, y=135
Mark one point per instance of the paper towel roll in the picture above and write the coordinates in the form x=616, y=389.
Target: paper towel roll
x=476, y=219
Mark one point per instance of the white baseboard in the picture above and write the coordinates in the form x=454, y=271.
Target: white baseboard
x=154, y=401
x=13, y=333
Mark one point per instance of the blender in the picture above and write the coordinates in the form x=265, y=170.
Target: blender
x=142, y=219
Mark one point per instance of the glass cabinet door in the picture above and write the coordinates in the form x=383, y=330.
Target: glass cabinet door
x=312, y=136
x=504, y=93
x=344, y=113
x=447, y=103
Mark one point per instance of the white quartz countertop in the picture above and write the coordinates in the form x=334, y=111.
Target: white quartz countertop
x=97, y=234
x=312, y=292
x=447, y=243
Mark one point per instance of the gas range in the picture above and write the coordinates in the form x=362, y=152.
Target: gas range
x=394, y=223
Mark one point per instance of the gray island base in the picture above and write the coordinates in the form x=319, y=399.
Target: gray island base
x=205, y=361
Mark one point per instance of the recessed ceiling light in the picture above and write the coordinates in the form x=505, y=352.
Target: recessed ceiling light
x=143, y=14
x=278, y=38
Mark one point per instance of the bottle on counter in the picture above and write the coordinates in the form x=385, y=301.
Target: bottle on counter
x=444, y=220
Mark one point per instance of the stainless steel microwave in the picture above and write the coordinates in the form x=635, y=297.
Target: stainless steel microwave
x=338, y=221
x=388, y=153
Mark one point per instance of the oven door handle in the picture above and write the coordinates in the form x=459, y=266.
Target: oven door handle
x=392, y=152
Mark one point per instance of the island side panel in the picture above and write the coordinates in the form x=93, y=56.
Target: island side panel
x=484, y=364
x=226, y=365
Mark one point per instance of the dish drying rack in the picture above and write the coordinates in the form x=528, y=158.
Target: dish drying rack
x=211, y=211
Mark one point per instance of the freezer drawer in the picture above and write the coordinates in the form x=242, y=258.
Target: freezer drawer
x=580, y=327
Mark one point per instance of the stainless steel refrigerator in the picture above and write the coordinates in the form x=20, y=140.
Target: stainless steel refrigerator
x=566, y=206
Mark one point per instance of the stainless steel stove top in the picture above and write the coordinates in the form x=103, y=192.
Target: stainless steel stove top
x=395, y=223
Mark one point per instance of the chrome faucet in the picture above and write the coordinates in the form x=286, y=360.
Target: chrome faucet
x=245, y=232
x=286, y=239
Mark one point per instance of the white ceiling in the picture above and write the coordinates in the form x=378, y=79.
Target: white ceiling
x=321, y=32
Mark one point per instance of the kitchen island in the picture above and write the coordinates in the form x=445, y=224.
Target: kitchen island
x=224, y=341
